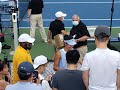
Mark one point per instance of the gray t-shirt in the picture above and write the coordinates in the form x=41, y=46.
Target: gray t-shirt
x=68, y=80
x=24, y=86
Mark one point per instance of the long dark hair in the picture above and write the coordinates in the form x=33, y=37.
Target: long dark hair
x=2, y=64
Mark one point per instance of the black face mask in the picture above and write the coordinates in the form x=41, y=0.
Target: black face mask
x=29, y=46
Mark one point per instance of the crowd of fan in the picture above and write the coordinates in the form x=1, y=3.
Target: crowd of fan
x=100, y=68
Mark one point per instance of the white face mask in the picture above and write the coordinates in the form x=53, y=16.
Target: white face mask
x=75, y=23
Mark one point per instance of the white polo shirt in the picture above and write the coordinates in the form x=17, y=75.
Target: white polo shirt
x=102, y=65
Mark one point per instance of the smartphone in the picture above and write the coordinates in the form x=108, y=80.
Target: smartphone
x=35, y=74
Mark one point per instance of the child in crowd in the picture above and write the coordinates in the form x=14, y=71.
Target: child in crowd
x=4, y=72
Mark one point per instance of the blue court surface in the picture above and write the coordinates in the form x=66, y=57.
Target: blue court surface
x=92, y=12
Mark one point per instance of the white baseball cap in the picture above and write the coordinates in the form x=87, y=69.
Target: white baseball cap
x=60, y=14
x=25, y=38
x=70, y=42
x=39, y=60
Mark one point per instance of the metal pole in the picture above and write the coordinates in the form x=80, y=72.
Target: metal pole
x=15, y=30
x=112, y=10
x=17, y=10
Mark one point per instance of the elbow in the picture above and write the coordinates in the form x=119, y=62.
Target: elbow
x=55, y=68
x=86, y=37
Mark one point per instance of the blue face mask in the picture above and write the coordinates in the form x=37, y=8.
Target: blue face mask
x=75, y=23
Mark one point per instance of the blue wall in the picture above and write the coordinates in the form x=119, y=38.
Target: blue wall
x=89, y=11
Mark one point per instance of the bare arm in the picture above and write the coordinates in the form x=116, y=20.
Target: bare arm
x=83, y=38
x=118, y=79
x=86, y=78
x=64, y=32
x=49, y=36
x=29, y=12
x=57, y=60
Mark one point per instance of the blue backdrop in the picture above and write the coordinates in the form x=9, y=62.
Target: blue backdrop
x=91, y=12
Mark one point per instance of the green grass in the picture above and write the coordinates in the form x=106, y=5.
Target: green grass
x=41, y=48
x=115, y=32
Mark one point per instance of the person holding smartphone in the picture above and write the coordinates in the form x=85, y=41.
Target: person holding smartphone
x=40, y=64
x=25, y=73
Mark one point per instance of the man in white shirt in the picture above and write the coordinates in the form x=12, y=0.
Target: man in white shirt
x=101, y=67
x=25, y=73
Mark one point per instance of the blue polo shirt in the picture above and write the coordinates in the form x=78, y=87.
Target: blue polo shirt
x=24, y=86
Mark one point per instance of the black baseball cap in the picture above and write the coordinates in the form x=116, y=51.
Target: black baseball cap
x=102, y=29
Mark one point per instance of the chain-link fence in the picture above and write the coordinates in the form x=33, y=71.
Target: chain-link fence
x=49, y=69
